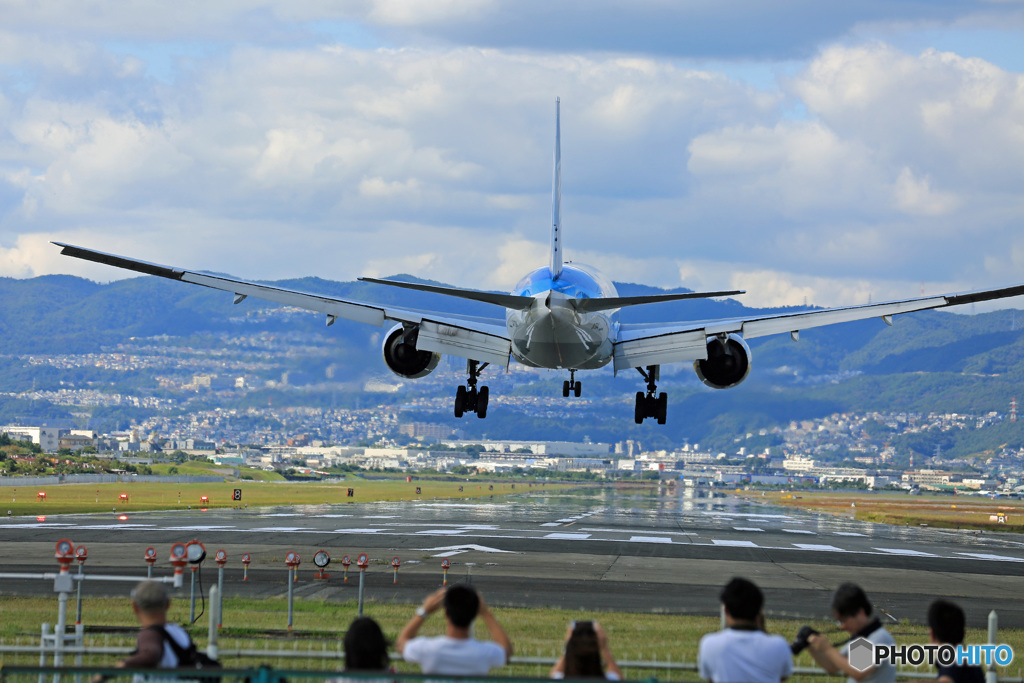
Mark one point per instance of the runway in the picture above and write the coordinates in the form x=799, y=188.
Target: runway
x=666, y=550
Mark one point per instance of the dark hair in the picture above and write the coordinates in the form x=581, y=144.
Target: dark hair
x=366, y=648
x=742, y=599
x=946, y=620
x=849, y=599
x=461, y=604
x=583, y=652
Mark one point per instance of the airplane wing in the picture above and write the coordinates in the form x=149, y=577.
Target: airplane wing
x=657, y=344
x=477, y=339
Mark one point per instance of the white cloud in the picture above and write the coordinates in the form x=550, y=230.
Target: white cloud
x=290, y=154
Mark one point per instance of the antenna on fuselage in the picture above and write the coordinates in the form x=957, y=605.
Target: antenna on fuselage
x=556, y=199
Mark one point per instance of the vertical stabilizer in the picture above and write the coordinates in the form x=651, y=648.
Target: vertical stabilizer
x=556, y=199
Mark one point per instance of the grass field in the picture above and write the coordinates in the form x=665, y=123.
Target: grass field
x=943, y=511
x=319, y=627
x=70, y=498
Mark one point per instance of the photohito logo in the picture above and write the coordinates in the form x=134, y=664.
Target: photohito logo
x=863, y=654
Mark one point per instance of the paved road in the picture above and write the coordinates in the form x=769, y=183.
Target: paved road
x=667, y=551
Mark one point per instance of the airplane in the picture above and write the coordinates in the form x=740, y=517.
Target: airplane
x=562, y=316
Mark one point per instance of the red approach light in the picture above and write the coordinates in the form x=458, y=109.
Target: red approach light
x=41, y=495
x=41, y=518
x=204, y=499
x=124, y=496
x=122, y=517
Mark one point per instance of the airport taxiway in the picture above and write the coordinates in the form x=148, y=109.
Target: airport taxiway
x=666, y=550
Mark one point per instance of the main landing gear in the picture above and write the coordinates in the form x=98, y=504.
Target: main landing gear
x=651, y=404
x=571, y=385
x=469, y=399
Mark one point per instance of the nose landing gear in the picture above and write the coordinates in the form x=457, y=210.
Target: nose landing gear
x=651, y=404
x=571, y=385
x=469, y=399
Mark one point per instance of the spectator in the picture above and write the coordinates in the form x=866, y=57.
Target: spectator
x=743, y=652
x=455, y=653
x=366, y=648
x=159, y=645
x=946, y=627
x=851, y=608
x=586, y=647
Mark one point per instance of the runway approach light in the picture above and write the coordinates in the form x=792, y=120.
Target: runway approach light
x=124, y=497
x=195, y=552
x=204, y=499
x=221, y=557
x=363, y=561
x=445, y=566
x=41, y=496
x=346, y=562
x=81, y=554
x=395, y=564
x=150, y=555
x=178, y=561
x=65, y=554
x=246, y=559
x=321, y=560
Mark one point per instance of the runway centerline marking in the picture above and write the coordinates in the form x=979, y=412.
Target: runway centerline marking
x=818, y=546
x=848, y=533
x=799, y=531
x=747, y=528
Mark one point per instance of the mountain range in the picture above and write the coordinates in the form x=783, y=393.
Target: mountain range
x=932, y=361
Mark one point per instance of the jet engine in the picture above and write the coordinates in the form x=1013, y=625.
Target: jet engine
x=403, y=358
x=728, y=362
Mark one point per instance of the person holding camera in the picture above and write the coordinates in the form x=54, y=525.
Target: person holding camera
x=743, y=652
x=456, y=653
x=586, y=654
x=852, y=609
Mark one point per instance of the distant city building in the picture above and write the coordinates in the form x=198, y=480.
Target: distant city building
x=47, y=438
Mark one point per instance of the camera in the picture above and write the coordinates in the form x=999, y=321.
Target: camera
x=800, y=643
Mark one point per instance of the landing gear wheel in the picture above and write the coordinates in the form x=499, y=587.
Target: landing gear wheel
x=661, y=408
x=565, y=389
x=641, y=405
x=460, y=401
x=481, y=402
x=578, y=389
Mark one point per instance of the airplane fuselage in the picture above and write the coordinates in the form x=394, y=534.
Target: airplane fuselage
x=552, y=333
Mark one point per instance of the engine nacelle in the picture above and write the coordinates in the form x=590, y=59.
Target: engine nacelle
x=402, y=357
x=727, y=365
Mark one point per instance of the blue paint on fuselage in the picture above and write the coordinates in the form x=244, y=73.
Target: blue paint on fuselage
x=552, y=333
x=576, y=281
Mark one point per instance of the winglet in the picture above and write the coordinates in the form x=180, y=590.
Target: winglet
x=556, y=199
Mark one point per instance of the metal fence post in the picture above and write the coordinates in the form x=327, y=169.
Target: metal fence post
x=211, y=634
x=993, y=638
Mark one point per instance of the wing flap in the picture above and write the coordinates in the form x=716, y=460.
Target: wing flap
x=661, y=349
x=456, y=340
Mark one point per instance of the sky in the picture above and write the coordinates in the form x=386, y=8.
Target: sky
x=805, y=151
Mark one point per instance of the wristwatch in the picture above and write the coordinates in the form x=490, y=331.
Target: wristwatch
x=421, y=612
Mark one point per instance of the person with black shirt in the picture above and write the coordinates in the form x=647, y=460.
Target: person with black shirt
x=946, y=627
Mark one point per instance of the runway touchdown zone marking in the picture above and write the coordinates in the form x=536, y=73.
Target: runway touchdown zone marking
x=905, y=551
x=736, y=544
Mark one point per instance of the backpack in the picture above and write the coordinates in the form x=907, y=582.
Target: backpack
x=190, y=657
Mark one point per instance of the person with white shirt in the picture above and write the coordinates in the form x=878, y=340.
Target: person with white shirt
x=743, y=652
x=456, y=653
